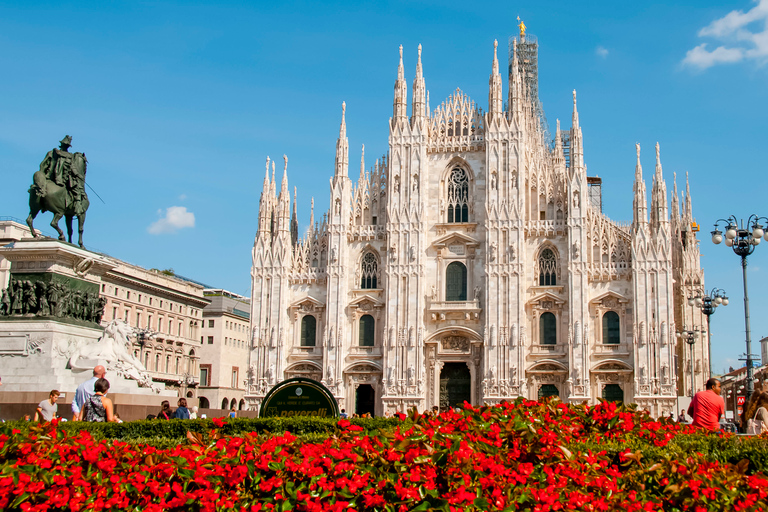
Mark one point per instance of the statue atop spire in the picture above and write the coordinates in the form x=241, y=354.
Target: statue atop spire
x=522, y=28
x=419, y=93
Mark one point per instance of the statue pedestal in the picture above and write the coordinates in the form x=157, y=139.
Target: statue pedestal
x=34, y=356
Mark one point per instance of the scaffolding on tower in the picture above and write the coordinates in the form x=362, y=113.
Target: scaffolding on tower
x=528, y=67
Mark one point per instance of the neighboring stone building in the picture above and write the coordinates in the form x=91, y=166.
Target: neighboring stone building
x=169, y=311
x=224, y=351
x=473, y=262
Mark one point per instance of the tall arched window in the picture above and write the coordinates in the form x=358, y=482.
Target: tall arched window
x=613, y=393
x=456, y=282
x=367, y=330
x=548, y=390
x=308, y=326
x=611, y=334
x=458, y=196
x=548, y=329
x=547, y=268
x=369, y=269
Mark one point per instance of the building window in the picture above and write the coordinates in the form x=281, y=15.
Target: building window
x=548, y=390
x=369, y=270
x=204, y=375
x=157, y=362
x=234, y=377
x=548, y=329
x=456, y=282
x=114, y=313
x=149, y=322
x=611, y=331
x=167, y=364
x=138, y=319
x=367, y=330
x=547, y=268
x=458, y=196
x=103, y=288
x=613, y=393
x=210, y=323
x=210, y=340
x=308, y=325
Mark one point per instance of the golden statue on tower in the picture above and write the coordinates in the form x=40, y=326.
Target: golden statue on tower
x=522, y=27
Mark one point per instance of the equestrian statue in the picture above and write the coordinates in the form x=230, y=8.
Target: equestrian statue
x=59, y=187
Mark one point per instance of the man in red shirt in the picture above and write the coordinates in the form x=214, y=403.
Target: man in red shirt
x=707, y=407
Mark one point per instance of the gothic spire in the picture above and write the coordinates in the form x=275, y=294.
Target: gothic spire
x=514, y=92
x=273, y=183
x=362, y=166
x=639, y=203
x=265, y=208
x=401, y=101
x=577, y=141
x=294, y=222
x=342, y=146
x=658, y=195
x=675, y=205
x=312, y=215
x=419, y=91
x=495, y=104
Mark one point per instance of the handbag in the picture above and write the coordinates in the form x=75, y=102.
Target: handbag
x=754, y=426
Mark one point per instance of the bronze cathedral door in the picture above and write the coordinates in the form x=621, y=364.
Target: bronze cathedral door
x=455, y=385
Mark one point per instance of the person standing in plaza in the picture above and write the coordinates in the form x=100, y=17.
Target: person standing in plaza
x=165, y=411
x=98, y=408
x=181, y=413
x=84, y=391
x=707, y=407
x=47, y=409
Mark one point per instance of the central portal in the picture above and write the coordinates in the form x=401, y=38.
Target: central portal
x=455, y=385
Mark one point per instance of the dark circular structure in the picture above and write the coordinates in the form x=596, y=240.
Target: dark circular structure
x=299, y=396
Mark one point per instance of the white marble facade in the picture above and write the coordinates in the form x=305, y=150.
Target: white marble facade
x=469, y=262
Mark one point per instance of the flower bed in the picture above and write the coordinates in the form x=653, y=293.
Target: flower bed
x=517, y=456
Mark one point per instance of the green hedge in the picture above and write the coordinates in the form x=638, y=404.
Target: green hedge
x=160, y=433
x=732, y=449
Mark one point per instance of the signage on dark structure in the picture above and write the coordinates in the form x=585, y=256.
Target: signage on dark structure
x=299, y=397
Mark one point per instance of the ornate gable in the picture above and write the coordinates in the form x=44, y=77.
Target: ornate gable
x=456, y=125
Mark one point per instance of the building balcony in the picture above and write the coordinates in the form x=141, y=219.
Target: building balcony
x=455, y=310
x=364, y=352
x=547, y=350
x=545, y=227
x=606, y=350
x=306, y=352
x=608, y=271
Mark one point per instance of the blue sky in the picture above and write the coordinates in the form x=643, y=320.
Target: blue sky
x=177, y=106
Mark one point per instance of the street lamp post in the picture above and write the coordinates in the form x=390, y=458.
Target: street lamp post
x=689, y=337
x=708, y=302
x=743, y=242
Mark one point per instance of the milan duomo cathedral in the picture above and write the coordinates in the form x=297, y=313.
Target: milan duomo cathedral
x=473, y=262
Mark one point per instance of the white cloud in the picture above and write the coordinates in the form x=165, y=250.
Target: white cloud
x=601, y=52
x=744, y=36
x=176, y=217
x=182, y=197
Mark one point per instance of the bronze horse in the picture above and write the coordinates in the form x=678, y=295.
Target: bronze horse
x=45, y=195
